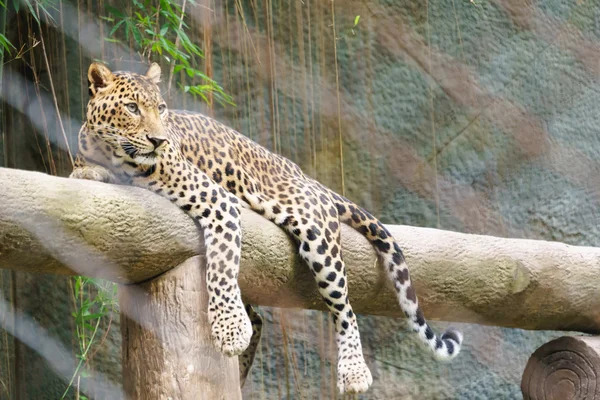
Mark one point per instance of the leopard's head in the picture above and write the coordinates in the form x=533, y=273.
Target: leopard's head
x=127, y=111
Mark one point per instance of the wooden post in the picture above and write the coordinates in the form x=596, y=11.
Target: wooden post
x=167, y=348
x=565, y=368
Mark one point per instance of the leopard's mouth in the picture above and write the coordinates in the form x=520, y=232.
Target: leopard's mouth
x=147, y=159
x=133, y=152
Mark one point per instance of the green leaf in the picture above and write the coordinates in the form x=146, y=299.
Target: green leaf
x=164, y=29
x=170, y=47
x=115, y=11
x=77, y=286
x=32, y=11
x=93, y=316
x=166, y=5
x=187, y=43
x=356, y=19
x=114, y=29
x=127, y=28
x=45, y=10
x=137, y=35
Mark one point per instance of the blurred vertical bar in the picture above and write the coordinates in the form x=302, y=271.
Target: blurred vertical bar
x=4, y=157
x=8, y=355
x=208, y=48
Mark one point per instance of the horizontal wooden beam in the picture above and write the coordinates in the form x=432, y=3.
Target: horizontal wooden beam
x=63, y=226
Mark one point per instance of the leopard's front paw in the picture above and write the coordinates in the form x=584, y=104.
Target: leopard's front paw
x=231, y=331
x=94, y=173
x=354, y=375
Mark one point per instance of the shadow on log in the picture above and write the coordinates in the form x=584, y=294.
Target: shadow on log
x=567, y=368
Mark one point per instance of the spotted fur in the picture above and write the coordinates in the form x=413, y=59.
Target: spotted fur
x=210, y=171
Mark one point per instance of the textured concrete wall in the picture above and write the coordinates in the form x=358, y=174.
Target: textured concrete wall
x=509, y=91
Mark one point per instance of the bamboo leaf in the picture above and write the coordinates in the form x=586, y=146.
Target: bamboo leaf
x=77, y=286
x=115, y=11
x=93, y=316
x=164, y=29
x=32, y=11
x=6, y=44
x=137, y=35
x=117, y=25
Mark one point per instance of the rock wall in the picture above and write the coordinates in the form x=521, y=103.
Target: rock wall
x=476, y=117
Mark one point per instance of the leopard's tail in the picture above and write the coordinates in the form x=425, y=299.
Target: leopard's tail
x=446, y=346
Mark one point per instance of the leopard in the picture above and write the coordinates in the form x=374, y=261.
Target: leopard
x=211, y=171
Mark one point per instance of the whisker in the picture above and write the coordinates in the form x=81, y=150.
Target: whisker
x=128, y=147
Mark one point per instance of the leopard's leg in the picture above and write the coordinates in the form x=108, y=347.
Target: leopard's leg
x=318, y=231
x=247, y=357
x=231, y=327
x=218, y=213
x=84, y=170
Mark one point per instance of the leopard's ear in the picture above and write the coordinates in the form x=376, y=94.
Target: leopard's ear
x=154, y=73
x=99, y=77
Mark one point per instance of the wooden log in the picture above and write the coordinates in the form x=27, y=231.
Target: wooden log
x=176, y=358
x=125, y=234
x=567, y=368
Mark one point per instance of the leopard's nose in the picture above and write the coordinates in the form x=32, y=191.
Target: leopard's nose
x=156, y=140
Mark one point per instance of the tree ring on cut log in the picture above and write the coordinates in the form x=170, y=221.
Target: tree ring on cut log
x=567, y=368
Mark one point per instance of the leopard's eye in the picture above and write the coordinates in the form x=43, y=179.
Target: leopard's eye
x=162, y=108
x=133, y=108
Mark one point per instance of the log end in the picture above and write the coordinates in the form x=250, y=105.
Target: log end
x=567, y=368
